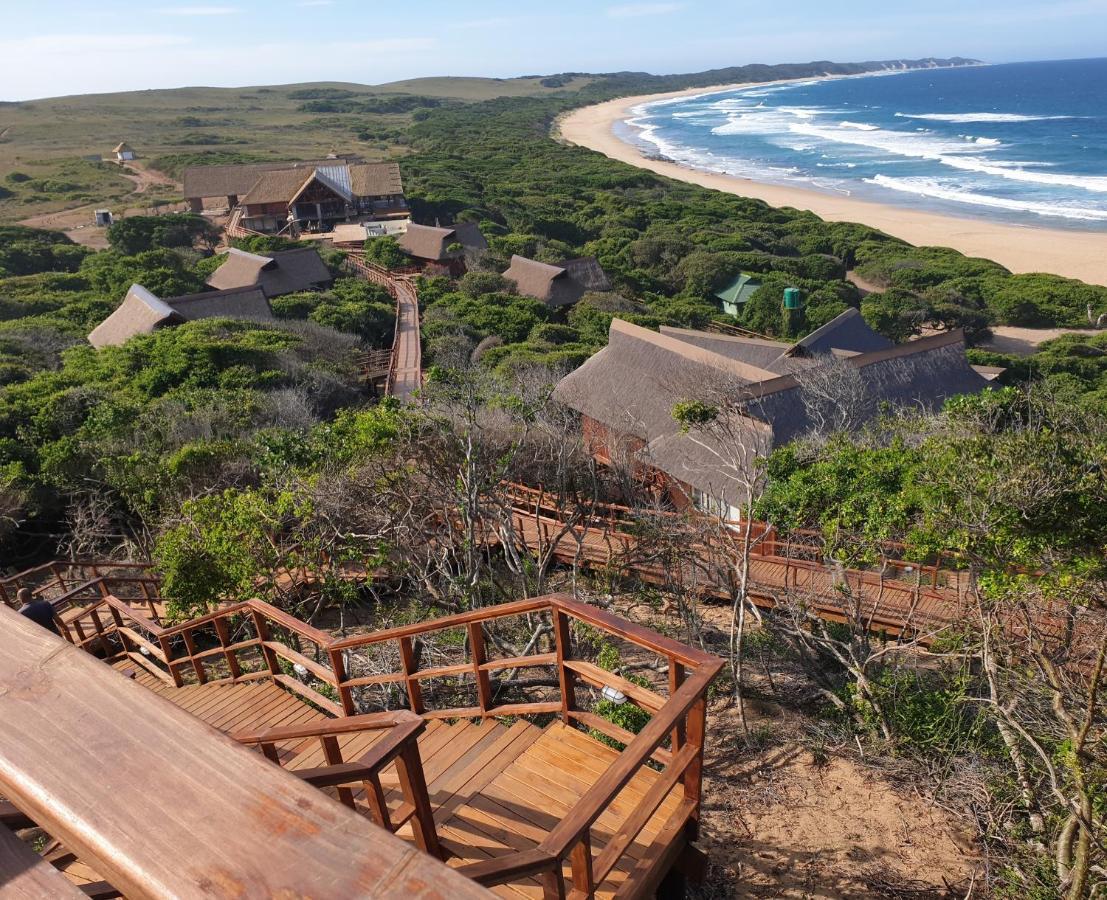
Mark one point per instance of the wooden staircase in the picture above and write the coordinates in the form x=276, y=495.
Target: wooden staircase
x=496, y=788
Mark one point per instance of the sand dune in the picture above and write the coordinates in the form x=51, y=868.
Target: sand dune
x=1075, y=254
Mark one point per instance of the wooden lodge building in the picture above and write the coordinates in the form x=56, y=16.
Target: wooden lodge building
x=626, y=393
x=289, y=198
x=241, y=755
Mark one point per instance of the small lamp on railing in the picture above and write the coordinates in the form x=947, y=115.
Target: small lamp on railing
x=144, y=651
x=301, y=671
x=613, y=695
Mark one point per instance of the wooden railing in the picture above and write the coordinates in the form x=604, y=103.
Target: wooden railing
x=399, y=745
x=673, y=739
x=678, y=720
x=53, y=580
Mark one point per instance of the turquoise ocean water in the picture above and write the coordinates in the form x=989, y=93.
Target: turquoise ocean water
x=1021, y=142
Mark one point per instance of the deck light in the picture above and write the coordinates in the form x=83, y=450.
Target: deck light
x=613, y=695
x=143, y=651
x=300, y=669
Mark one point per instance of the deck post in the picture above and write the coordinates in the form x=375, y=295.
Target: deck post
x=413, y=784
x=345, y=695
x=693, y=775
x=476, y=649
x=262, y=629
x=676, y=679
x=229, y=655
x=565, y=676
x=581, y=860
x=553, y=883
x=410, y=664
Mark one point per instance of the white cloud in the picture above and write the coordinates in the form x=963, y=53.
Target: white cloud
x=636, y=10
x=198, y=10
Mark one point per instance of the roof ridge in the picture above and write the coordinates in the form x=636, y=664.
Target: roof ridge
x=727, y=338
x=691, y=352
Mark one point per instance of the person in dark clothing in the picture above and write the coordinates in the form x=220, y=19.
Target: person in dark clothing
x=39, y=611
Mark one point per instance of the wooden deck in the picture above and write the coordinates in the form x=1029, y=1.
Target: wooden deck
x=516, y=793
x=495, y=788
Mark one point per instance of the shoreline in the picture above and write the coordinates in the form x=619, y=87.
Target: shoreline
x=1021, y=249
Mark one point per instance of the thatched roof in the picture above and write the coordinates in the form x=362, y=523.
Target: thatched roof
x=123, y=147
x=347, y=181
x=139, y=313
x=277, y=273
x=561, y=285
x=430, y=242
x=226, y=181
x=376, y=180
x=278, y=186
x=632, y=385
x=846, y=331
x=236, y=303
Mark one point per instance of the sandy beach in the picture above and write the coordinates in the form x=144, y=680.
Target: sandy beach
x=1075, y=254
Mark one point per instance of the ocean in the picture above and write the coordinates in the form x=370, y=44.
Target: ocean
x=1019, y=142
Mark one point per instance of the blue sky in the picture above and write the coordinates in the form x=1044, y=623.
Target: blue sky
x=54, y=47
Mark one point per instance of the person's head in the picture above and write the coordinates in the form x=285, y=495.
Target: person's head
x=24, y=596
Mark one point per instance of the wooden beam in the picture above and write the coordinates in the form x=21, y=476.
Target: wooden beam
x=24, y=875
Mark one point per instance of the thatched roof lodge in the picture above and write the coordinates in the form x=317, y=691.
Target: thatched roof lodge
x=275, y=197
x=770, y=391
x=276, y=273
x=143, y=313
x=561, y=285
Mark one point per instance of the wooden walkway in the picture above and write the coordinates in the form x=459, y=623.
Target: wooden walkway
x=496, y=789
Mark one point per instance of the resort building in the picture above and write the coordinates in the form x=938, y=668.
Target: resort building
x=442, y=249
x=739, y=290
x=560, y=285
x=290, y=198
x=143, y=313
x=767, y=393
x=277, y=273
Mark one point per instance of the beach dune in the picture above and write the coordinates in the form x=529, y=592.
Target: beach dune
x=1074, y=254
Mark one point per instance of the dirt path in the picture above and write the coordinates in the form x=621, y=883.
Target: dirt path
x=76, y=222
x=1025, y=341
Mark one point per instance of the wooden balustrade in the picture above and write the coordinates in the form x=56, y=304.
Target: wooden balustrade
x=399, y=746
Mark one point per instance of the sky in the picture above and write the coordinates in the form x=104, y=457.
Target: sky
x=57, y=47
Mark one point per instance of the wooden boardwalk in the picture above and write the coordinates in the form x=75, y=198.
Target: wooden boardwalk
x=517, y=793
x=495, y=788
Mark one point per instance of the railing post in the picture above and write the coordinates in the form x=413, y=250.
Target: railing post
x=190, y=648
x=174, y=671
x=224, y=641
x=262, y=629
x=566, y=678
x=676, y=679
x=581, y=860
x=414, y=690
x=332, y=753
x=693, y=775
x=345, y=694
x=413, y=784
x=553, y=883
x=476, y=647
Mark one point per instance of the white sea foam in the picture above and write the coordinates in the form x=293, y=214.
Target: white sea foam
x=962, y=118
x=938, y=190
x=860, y=126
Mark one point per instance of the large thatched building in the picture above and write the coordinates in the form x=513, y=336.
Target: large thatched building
x=302, y=196
x=767, y=394
x=143, y=313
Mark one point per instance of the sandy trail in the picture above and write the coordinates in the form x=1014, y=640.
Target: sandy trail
x=76, y=221
x=1074, y=254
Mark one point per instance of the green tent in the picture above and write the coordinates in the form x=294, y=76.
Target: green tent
x=738, y=292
